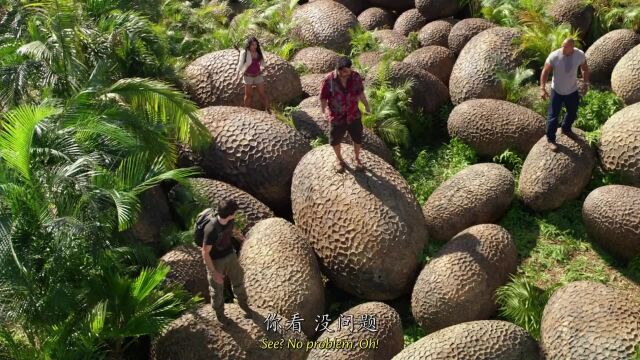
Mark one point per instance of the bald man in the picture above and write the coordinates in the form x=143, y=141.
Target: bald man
x=564, y=63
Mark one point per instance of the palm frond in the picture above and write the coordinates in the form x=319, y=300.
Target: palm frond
x=169, y=106
x=16, y=136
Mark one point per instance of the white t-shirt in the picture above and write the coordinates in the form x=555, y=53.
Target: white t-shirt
x=565, y=70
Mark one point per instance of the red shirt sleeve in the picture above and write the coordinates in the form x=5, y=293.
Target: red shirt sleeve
x=324, y=90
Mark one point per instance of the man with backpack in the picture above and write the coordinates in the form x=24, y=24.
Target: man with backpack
x=214, y=233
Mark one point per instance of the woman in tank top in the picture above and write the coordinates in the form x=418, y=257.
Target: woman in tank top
x=250, y=64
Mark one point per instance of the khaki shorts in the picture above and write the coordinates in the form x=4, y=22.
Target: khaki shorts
x=252, y=80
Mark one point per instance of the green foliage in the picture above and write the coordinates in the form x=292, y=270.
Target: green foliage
x=511, y=161
x=613, y=14
x=539, y=39
x=319, y=141
x=429, y=170
x=596, y=108
x=514, y=83
x=362, y=41
x=412, y=334
x=522, y=303
x=389, y=107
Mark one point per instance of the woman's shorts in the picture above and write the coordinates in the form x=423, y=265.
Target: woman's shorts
x=252, y=80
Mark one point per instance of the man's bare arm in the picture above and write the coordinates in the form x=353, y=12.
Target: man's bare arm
x=363, y=98
x=206, y=250
x=543, y=79
x=585, y=72
x=323, y=105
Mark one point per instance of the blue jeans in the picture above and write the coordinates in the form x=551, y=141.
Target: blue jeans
x=571, y=103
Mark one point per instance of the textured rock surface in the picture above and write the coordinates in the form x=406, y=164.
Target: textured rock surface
x=464, y=30
x=394, y=4
x=281, y=273
x=587, y=320
x=212, y=191
x=253, y=151
x=620, y=144
x=436, y=9
x=428, y=92
x=389, y=334
x=549, y=179
x=376, y=18
x=187, y=269
x=409, y=21
x=355, y=6
x=324, y=23
x=212, y=79
x=391, y=39
x=474, y=75
x=366, y=228
x=312, y=83
x=197, y=335
x=370, y=59
x=458, y=284
x=436, y=60
x=574, y=13
x=489, y=339
x=625, y=78
x=316, y=59
x=611, y=215
x=311, y=123
x=436, y=33
x=604, y=54
x=480, y=193
x=492, y=126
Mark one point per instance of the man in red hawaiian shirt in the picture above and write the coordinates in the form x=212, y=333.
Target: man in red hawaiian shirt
x=341, y=90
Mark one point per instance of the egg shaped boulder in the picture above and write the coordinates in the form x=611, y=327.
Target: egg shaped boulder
x=487, y=339
x=437, y=9
x=356, y=333
x=212, y=80
x=549, y=179
x=198, y=335
x=611, y=215
x=312, y=83
x=620, y=144
x=625, y=78
x=459, y=283
x=428, y=93
x=187, y=269
x=316, y=59
x=370, y=59
x=475, y=73
x=436, y=33
x=394, y=4
x=366, y=227
x=355, y=6
x=324, y=23
x=311, y=123
x=604, y=53
x=573, y=12
x=254, y=151
x=281, y=273
x=464, y=30
x=154, y=219
x=588, y=320
x=409, y=21
x=376, y=18
x=480, y=193
x=436, y=60
x=492, y=126
x=210, y=192
x=391, y=39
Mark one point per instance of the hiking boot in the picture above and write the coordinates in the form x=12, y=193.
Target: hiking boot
x=223, y=319
x=359, y=166
x=568, y=133
x=552, y=146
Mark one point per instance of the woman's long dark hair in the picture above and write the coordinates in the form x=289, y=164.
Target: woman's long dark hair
x=247, y=45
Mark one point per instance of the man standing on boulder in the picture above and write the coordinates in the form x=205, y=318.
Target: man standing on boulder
x=220, y=258
x=339, y=95
x=564, y=87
